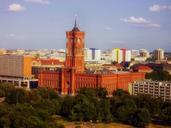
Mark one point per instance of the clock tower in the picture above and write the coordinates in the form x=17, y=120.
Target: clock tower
x=74, y=62
x=75, y=49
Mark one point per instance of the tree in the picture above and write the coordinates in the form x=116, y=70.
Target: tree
x=5, y=88
x=103, y=110
x=66, y=106
x=88, y=92
x=166, y=114
x=115, y=103
x=46, y=93
x=120, y=92
x=5, y=115
x=101, y=92
x=158, y=75
x=83, y=109
x=140, y=118
x=17, y=96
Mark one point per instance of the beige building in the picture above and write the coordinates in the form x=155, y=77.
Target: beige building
x=16, y=69
x=15, y=66
x=153, y=88
x=159, y=54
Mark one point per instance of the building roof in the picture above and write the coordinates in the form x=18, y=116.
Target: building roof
x=48, y=61
x=142, y=67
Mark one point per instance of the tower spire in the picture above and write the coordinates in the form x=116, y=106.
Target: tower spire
x=75, y=28
x=75, y=25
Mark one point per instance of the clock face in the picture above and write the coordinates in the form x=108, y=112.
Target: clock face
x=78, y=40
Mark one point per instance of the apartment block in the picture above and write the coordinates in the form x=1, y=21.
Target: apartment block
x=153, y=88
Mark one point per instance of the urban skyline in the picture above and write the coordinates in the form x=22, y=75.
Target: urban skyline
x=40, y=24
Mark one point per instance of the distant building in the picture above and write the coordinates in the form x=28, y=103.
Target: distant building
x=134, y=53
x=3, y=51
x=159, y=54
x=144, y=53
x=92, y=54
x=152, y=88
x=127, y=56
x=106, y=57
x=121, y=55
x=140, y=59
x=117, y=55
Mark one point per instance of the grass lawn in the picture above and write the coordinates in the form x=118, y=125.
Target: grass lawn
x=100, y=125
x=111, y=125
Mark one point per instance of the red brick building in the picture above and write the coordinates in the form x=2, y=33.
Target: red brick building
x=73, y=76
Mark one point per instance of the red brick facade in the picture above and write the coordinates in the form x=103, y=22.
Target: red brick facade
x=72, y=77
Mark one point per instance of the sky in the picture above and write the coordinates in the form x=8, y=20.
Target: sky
x=42, y=24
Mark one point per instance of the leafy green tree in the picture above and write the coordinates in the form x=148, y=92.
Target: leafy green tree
x=83, y=109
x=120, y=92
x=115, y=103
x=17, y=96
x=5, y=112
x=5, y=88
x=46, y=93
x=103, y=110
x=158, y=75
x=88, y=92
x=66, y=106
x=140, y=118
x=146, y=101
x=101, y=92
x=166, y=114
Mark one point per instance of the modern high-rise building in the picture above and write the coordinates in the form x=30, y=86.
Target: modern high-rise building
x=121, y=55
x=159, y=54
x=92, y=54
x=117, y=55
x=128, y=56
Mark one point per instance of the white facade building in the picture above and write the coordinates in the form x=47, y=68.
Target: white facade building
x=92, y=54
x=128, y=56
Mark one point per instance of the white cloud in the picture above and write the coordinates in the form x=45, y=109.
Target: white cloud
x=153, y=25
x=108, y=28
x=140, y=21
x=16, y=7
x=15, y=37
x=38, y=1
x=136, y=20
x=158, y=8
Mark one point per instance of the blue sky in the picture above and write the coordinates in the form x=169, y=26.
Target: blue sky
x=132, y=24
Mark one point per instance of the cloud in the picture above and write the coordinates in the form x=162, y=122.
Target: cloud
x=140, y=21
x=12, y=35
x=158, y=8
x=136, y=20
x=38, y=1
x=15, y=37
x=16, y=7
x=107, y=28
